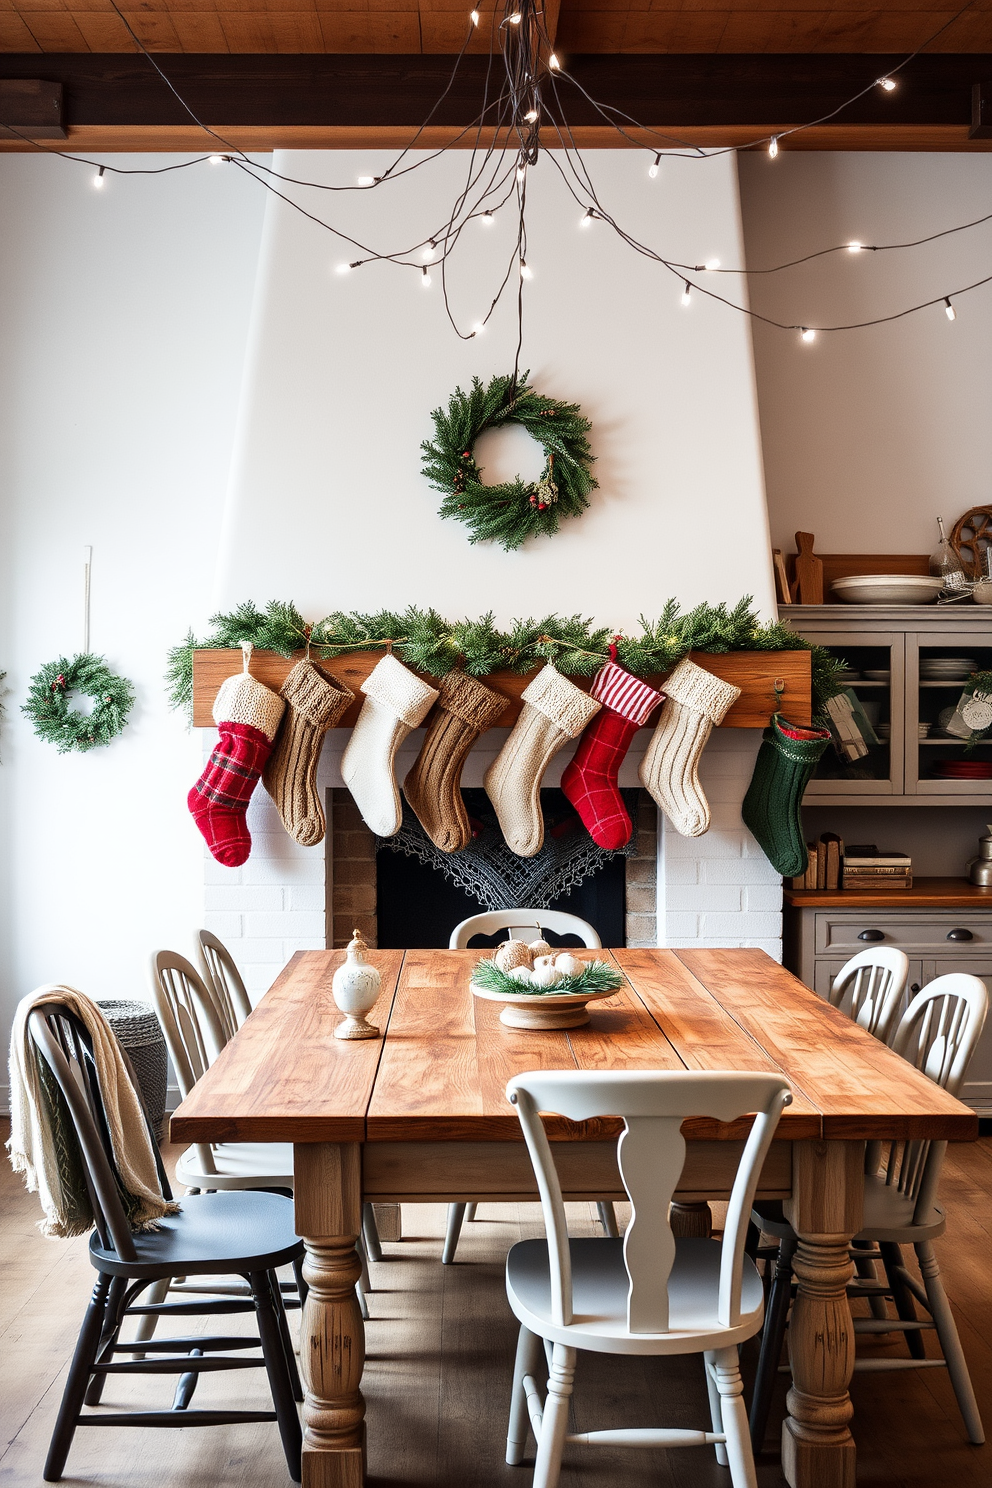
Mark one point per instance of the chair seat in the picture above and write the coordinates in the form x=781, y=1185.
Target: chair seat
x=212, y=1234
x=599, y=1298
x=239, y=1165
x=888, y=1215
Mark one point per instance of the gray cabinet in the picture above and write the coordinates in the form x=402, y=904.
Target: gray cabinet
x=937, y=941
x=885, y=645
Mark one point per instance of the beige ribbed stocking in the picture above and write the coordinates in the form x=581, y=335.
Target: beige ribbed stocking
x=465, y=709
x=396, y=701
x=695, y=701
x=315, y=702
x=554, y=711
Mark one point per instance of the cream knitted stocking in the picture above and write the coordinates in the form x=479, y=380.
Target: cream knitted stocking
x=465, y=709
x=314, y=703
x=554, y=711
x=696, y=700
x=396, y=701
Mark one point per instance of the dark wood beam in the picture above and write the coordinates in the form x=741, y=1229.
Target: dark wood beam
x=349, y=99
x=32, y=106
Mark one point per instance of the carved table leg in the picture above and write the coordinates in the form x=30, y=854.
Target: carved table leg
x=691, y=1221
x=328, y=1198
x=825, y=1210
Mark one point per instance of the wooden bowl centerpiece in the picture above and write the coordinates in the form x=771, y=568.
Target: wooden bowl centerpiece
x=543, y=991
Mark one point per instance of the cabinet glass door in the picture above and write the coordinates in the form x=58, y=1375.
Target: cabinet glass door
x=940, y=761
x=865, y=756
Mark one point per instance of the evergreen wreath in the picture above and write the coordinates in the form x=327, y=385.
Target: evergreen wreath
x=58, y=723
x=516, y=510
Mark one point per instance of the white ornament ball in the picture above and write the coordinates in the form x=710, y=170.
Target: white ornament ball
x=522, y=974
x=540, y=948
x=513, y=953
x=546, y=976
x=569, y=965
x=544, y=961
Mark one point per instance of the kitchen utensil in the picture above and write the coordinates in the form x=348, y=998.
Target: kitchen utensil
x=980, y=868
x=809, y=570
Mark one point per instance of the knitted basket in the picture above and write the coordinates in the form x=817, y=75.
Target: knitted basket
x=139, y=1033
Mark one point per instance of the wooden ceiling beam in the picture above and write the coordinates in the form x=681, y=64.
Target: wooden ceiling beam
x=339, y=101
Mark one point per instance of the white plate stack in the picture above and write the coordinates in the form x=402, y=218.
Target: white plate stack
x=947, y=668
x=887, y=589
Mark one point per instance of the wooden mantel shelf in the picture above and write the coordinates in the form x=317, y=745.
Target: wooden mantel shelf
x=755, y=672
x=926, y=893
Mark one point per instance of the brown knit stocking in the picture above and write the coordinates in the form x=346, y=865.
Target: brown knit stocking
x=315, y=702
x=464, y=710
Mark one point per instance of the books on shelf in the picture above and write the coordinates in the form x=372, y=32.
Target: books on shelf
x=823, y=869
x=867, y=868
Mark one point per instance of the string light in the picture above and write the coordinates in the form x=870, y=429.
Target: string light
x=515, y=18
x=553, y=63
x=369, y=180
x=712, y=264
x=773, y=146
x=478, y=328
x=474, y=17
x=346, y=268
x=686, y=293
x=887, y=83
x=430, y=250
x=530, y=115
x=655, y=167
x=98, y=180
x=807, y=335
x=425, y=279
x=487, y=219
x=526, y=272
x=217, y=159
x=521, y=173
x=855, y=247
x=949, y=309
x=588, y=219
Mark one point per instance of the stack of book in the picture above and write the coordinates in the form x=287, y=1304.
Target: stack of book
x=823, y=870
x=867, y=868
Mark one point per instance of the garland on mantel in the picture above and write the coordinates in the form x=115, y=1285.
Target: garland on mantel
x=430, y=644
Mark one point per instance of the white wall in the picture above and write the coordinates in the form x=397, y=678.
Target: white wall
x=123, y=317
x=869, y=435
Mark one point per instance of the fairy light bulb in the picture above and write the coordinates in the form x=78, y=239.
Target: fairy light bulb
x=530, y=115
x=367, y=180
x=430, y=249
x=487, y=219
x=474, y=17
x=855, y=247
x=521, y=174
x=807, y=335
x=654, y=167
x=217, y=159
x=687, y=291
x=949, y=309
x=425, y=280
x=887, y=83
x=346, y=268
x=515, y=18
x=712, y=264
x=773, y=146
x=588, y=219
x=526, y=272
x=478, y=328
x=98, y=179
x=553, y=63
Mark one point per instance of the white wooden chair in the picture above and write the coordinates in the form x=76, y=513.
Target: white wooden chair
x=870, y=988
x=523, y=924
x=937, y=1033
x=651, y=1293
x=221, y=974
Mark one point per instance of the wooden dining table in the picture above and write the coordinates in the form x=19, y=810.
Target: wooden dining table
x=420, y=1114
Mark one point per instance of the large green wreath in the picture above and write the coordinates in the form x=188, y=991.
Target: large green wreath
x=58, y=723
x=516, y=510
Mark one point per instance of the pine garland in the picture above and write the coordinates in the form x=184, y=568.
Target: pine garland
x=58, y=723
x=596, y=976
x=428, y=643
x=512, y=512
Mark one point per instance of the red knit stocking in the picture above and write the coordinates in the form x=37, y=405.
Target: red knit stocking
x=590, y=778
x=219, y=799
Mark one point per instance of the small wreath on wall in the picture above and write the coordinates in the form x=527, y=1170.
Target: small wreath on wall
x=57, y=722
x=512, y=512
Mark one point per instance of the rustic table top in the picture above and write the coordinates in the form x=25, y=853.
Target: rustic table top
x=440, y=1071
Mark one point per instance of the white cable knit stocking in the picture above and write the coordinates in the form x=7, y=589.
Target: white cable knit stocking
x=695, y=701
x=554, y=711
x=396, y=702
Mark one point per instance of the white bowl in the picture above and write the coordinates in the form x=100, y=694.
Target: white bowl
x=889, y=589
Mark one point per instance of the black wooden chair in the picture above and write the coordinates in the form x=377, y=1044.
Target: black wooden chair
x=248, y=1234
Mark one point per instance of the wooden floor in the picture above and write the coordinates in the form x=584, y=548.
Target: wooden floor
x=440, y=1353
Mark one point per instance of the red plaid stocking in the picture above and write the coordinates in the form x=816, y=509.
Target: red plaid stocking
x=590, y=778
x=247, y=714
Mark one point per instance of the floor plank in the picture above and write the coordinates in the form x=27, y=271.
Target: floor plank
x=440, y=1347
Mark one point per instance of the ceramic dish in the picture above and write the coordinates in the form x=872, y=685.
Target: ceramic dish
x=543, y=1010
x=878, y=676
x=889, y=589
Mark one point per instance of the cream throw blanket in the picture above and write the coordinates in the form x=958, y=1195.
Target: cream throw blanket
x=43, y=1144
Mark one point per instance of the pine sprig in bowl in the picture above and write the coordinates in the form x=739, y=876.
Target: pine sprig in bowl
x=597, y=977
x=560, y=1006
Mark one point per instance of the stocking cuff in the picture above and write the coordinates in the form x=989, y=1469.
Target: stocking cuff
x=793, y=742
x=622, y=693
x=243, y=699
x=699, y=690
x=564, y=704
x=476, y=705
x=317, y=698
x=394, y=686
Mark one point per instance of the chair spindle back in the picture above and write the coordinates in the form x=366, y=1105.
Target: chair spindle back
x=870, y=987
x=221, y=974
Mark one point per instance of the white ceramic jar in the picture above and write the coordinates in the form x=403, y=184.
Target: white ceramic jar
x=356, y=987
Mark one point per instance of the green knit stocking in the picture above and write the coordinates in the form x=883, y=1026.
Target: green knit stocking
x=786, y=760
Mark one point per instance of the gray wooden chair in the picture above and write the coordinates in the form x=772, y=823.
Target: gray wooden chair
x=250, y=1234
x=937, y=1033
x=221, y=974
